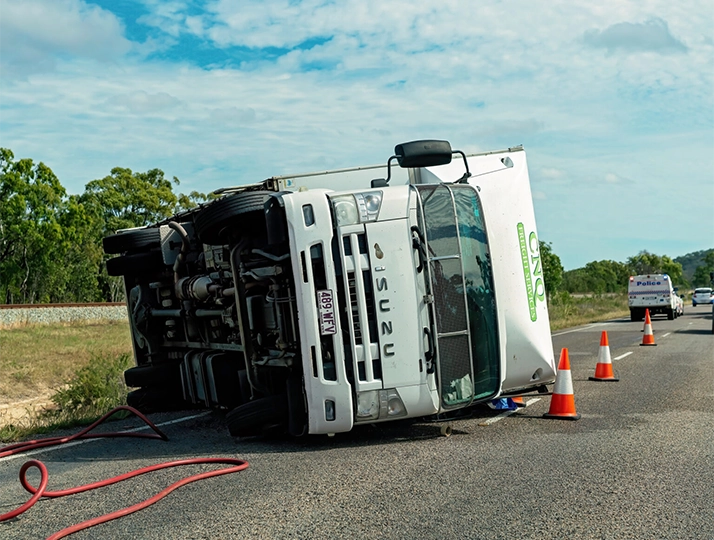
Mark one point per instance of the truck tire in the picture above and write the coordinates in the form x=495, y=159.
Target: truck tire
x=167, y=375
x=216, y=223
x=131, y=241
x=635, y=315
x=670, y=314
x=135, y=263
x=254, y=417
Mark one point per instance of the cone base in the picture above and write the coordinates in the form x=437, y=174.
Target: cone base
x=575, y=416
x=610, y=379
x=648, y=344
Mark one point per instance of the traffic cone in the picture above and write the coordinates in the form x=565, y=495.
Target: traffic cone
x=562, y=403
x=648, y=338
x=603, y=369
x=518, y=400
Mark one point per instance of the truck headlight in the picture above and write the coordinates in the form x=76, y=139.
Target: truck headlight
x=357, y=208
x=346, y=211
x=379, y=405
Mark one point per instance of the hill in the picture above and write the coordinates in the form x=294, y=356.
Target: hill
x=690, y=261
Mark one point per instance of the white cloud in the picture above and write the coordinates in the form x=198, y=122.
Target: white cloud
x=484, y=75
x=36, y=34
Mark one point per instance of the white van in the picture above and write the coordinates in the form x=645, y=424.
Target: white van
x=653, y=292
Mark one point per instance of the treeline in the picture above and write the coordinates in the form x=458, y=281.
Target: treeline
x=602, y=277
x=51, y=242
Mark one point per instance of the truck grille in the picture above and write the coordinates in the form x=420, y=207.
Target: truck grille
x=359, y=321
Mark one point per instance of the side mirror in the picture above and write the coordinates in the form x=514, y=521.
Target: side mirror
x=428, y=153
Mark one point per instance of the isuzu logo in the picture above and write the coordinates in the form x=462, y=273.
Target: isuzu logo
x=386, y=328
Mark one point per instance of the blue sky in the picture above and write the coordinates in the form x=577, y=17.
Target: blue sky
x=612, y=100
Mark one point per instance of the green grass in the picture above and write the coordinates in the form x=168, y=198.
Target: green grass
x=567, y=311
x=37, y=360
x=94, y=390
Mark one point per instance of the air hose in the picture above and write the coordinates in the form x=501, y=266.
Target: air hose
x=41, y=490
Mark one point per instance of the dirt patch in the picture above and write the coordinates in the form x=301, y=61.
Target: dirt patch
x=22, y=412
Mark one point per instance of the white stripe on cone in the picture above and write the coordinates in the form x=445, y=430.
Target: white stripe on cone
x=563, y=382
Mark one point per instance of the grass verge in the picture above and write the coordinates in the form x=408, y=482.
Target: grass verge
x=36, y=360
x=95, y=389
x=567, y=311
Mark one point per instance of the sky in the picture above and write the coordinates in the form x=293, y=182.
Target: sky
x=612, y=100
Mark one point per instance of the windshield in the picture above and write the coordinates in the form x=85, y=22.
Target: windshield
x=462, y=287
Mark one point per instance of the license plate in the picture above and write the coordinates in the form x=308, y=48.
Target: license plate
x=326, y=312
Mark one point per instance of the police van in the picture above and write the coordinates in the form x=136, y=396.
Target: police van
x=654, y=292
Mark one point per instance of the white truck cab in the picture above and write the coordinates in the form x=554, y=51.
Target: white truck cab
x=314, y=303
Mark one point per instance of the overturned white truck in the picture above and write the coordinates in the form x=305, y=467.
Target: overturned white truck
x=314, y=303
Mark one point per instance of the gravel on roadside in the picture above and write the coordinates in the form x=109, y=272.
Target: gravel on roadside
x=64, y=314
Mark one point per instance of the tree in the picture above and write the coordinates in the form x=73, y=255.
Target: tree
x=702, y=277
x=126, y=199
x=649, y=263
x=32, y=198
x=552, y=268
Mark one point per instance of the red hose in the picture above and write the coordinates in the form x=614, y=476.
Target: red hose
x=40, y=491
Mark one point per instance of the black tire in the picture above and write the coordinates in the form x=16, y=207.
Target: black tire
x=135, y=263
x=132, y=241
x=256, y=416
x=219, y=221
x=166, y=375
x=152, y=399
x=670, y=314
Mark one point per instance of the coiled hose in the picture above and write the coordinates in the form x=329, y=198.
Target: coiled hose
x=41, y=490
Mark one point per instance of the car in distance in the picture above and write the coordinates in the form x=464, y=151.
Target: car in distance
x=702, y=295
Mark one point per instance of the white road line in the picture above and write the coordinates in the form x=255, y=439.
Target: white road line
x=622, y=356
x=575, y=330
x=504, y=414
x=603, y=323
x=665, y=335
x=83, y=441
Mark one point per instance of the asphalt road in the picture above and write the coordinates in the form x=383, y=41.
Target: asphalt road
x=638, y=464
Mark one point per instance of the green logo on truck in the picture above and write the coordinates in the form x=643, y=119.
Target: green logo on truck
x=532, y=269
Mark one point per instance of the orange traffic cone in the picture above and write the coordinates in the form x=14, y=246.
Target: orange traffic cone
x=518, y=400
x=562, y=404
x=603, y=369
x=648, y=338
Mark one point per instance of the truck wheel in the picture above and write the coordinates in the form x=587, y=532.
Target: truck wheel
x=167, y=375
x=135, y=263
x=253, y=417
x=131, y=241
x=670, y=314
x=220, y=220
